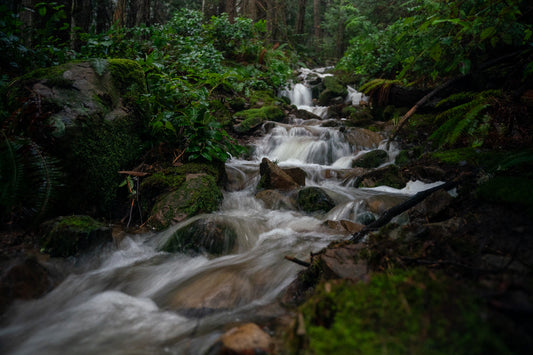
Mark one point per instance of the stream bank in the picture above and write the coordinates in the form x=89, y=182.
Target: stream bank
x=451, y=237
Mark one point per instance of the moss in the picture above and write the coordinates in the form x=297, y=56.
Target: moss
x=333, y=89
x=254, y=117
x=314, y=199
x=101, y=150
x=127, y=75
x=402, y=158
x=198, y=195
x=220, y=112
x=402, y=312
x=67, y=236
x=260, y=98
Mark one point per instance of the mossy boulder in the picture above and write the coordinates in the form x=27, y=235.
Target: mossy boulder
x=85, y=115
x=314, y=199
x=72, y=235
x=333, y=89
x=210, y=235
x=372, y=159
x=198, y=194
x=249, y=120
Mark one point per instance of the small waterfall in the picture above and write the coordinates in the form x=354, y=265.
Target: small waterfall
x=355, y=97
x=140, y=300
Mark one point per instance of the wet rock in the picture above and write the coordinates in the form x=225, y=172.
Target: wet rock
x=345, y=226
x=389, y=175
x=372, y=159
x=198, y=194
x=297, y=174
x=23, y=279
x=275, y=200
x=343, y=262
x=211, y=235
x=210, y=292
x=273, y=177
x=433, y=206
x=314, y=199
x=380, y=203
x=72, y=235
x=365, y=218
x=247, y=339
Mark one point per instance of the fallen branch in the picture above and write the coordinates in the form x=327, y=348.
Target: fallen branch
x=297, y=261
x=420, y=102
x=402, y=207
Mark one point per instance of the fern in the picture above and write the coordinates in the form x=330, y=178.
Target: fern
x=99, y=65
x=468, y=117
x=383, y=87
x=29, y=179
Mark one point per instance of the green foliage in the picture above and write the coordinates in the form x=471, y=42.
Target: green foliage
x=401, y=312
x=469, y=116
x=435, y=39
x=29, y=179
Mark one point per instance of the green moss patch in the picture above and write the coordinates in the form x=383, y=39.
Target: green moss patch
x=402, y=312
x=67, y=236
x=253, y=118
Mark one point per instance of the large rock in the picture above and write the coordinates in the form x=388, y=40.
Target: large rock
x=389, y=175
x=372, y=159
x=211, y=235
x=198, y=194
x=273, y=177
x=247, y=339
x=72, y=235
x=85, y=115
x=314, y=199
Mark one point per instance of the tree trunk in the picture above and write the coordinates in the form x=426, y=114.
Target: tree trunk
x=300, y=16
x=230, y=9
x=316, y=18
x=250, y=9
x=27, y=19
x=119, y=15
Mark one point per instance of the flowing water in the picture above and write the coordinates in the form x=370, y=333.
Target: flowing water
x=133, y=299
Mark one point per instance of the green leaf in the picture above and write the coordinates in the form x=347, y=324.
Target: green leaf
x=42, y=11
x=487, y=32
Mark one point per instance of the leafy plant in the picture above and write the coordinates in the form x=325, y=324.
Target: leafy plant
x=29, y=179
x=469, y=116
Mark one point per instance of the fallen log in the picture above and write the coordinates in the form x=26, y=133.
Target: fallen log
x=402, y=207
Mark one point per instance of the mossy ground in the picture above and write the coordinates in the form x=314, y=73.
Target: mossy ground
x=398, y=312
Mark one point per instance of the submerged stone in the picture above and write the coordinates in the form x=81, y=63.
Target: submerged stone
x=210, y=235
x=247, y=339
x=314, y=199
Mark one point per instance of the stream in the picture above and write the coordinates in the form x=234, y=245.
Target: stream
x=133, y=299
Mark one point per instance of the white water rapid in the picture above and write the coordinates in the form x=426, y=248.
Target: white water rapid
x=134, y=299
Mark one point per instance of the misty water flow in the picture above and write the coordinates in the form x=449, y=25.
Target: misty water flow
x=133, y=299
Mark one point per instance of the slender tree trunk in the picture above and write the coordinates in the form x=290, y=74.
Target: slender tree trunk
x=300, y=16
x=270, y=18
x=250, y=9
x=316, y=17
x=26, y=17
